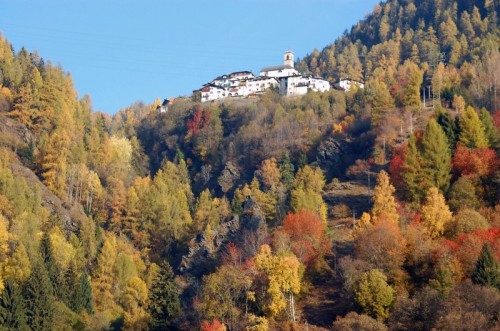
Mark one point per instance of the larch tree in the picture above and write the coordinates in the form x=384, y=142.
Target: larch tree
x=435, y=213
x=472, y=133
x=307, y=191
x=103, y=280
x=436, y=156
x=384, y=204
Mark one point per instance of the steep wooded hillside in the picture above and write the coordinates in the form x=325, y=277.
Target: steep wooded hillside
x=375, y=208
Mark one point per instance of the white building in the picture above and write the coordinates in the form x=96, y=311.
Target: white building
x=285, y=70
x=299, y=85
x=212, y=92
x=163, y=108
x=243, y=83
x=347, y=84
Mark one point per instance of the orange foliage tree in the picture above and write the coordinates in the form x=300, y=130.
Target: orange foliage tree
x=308, y=236
x=467, y=246
x=214, y=325
x=476, y=161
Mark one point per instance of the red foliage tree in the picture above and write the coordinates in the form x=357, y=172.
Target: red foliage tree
x=396, y=167
x=308, y=236
x=214, y=325
x=198, y=120
x=467, y=246
x=232, y=255
x=476, y=161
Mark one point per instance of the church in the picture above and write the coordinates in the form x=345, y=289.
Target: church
x=285, y=78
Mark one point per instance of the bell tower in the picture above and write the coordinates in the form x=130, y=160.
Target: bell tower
x=288, y=58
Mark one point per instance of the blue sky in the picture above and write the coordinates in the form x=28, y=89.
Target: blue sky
x=124, y=51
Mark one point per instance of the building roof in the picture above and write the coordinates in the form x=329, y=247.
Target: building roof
x=262, y=78
x=275, y=68
x=239, y=73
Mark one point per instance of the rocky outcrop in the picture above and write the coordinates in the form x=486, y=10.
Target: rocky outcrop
x=334, y=156
x=206, y=248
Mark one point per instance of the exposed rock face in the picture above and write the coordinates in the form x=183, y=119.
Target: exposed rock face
x=334, y=156
x=206, y=248
x=228, y=176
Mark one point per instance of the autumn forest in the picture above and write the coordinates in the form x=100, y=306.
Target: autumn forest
x=375, y=208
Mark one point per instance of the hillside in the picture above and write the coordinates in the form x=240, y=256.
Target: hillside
x=367, y=209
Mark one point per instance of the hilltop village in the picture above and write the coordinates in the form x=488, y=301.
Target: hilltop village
x=285, y=78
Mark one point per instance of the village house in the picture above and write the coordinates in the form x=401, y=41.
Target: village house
x=244, y=83
x=347, y=83
x=163, y=108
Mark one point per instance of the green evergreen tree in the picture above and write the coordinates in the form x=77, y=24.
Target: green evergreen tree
x=287, y=171
x=489, y=128
x=55, y=277
x=415, y=187
x=487, y=270
x=82, y=298
x=38, y=299
x=436, y=156
x=449, y=126
x=12, y=312
x=164, y=298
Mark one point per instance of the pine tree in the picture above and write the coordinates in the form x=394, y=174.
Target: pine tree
x=487, y=270
x=38, y=296
x=164, y=298
x=12, y=312
x=436, y=156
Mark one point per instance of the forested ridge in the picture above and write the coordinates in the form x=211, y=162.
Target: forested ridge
x=367, y=209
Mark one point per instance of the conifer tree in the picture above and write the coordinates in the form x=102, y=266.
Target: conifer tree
x=435, y=213
x=472, y=133
x=287, y=171
x=487, y=270
x=383, y=200
x=412, y=173
x=449, y=127
x=38, y=296
x=307, y=191
x=436, y=156
x=164, y=298
x=12, y=312
x=490, y=130
x=55, y=278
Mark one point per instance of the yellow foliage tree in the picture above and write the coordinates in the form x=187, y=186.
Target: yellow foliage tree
x=307, y=192
x=284, y=275
x=435, y=213
x=18, y=266
x=62, y=250
x=134, y=301
x=384, y=203
x=103, y=281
